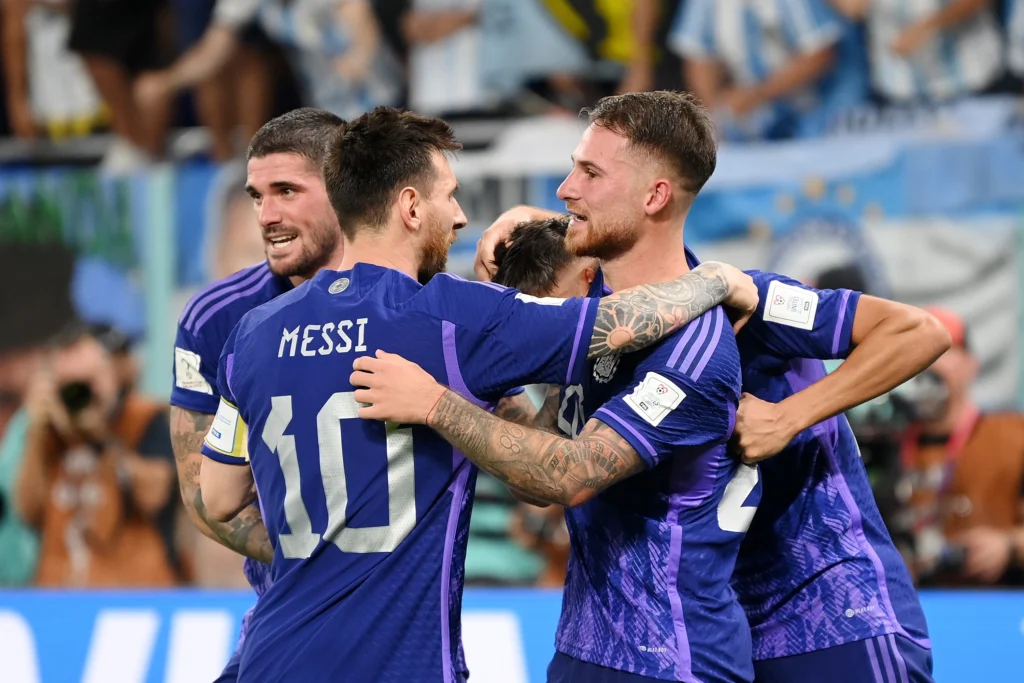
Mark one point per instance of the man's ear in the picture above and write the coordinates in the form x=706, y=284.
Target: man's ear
x=410, y=207
x=658, y=197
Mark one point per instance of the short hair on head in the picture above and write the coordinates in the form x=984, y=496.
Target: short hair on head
x=534, y=256
x=306, y=131
x=673, y=126
x=379, y=153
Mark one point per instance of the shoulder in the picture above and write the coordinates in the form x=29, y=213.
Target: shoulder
x=702, y=353
x=470, y=304
x=216, y=309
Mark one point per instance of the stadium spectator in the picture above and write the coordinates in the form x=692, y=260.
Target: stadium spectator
x=97, y=477
x=966, y=470
x=470, y=57
x=48, y=87
x=929, y=51
x=1015, y=39
x=237, y=96
x=652, y=66
x=336, y=48
x=118, y=40
x=767, y=69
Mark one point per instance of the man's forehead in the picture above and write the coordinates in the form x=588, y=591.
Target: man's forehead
x=443, y=166
x=600, y=144
x=282, y=166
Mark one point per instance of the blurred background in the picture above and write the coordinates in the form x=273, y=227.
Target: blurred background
x=871, y=144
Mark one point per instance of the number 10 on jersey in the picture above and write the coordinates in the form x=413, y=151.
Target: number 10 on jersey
x=302, y=540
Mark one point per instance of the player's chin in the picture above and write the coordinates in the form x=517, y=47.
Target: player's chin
x=288, y=265
x=577, y=240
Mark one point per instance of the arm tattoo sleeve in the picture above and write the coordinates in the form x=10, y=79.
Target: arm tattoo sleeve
x=246, y=533
x=542, y=465
x=640, y=316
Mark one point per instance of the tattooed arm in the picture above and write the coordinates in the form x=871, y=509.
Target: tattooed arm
x=640, y=316
x=542, y=465
x=520, y=410
x=244, y=534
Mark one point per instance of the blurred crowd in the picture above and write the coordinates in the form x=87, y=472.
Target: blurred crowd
x=769, y=68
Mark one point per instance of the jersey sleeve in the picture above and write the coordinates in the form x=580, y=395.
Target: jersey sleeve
x=228, y=435
x=195, y=373
x=693, y=30
x=677, y=408
x=502, y=339
x=797, y=321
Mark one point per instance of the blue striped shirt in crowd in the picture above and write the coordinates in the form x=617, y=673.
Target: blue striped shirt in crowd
x=753, y=40
x=953, y=63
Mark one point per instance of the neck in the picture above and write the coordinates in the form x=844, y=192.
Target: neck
x=658, y=256
x=332, y=260
x=380, y=250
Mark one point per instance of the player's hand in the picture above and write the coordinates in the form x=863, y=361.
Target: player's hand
x=499, y=232
x=394, y=389
x=762, y=429
x=742, y=298
x=988, y=554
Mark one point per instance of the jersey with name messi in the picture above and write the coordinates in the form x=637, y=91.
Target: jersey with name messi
x=647, y=589
x=370, y=520
x=203, y=329
x=817, y=568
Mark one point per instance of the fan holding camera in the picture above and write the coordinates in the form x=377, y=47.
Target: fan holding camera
x=97, y=476
x=962, y=484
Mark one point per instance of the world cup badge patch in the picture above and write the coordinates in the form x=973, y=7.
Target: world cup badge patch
x=604, y=368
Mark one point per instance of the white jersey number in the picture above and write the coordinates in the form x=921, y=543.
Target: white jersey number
x=302, y=540
x=732, y=514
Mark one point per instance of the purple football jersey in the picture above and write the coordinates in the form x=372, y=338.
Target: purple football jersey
x=370, y=520
x=817, y=568
x=647, y=589
x=203, y=329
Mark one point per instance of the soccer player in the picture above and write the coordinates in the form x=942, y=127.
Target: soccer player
x=301, y=235
x=825, y=589
x=369, y=519
x=647, y=592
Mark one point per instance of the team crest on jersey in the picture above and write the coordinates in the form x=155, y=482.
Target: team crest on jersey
x=339, y=285
x=604, y=368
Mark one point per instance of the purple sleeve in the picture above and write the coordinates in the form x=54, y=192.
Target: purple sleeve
x=797, y=321
x=195, y=371
x=677, y=408
x=503, y=339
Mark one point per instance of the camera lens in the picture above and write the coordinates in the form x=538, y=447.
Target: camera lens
x=75, y=396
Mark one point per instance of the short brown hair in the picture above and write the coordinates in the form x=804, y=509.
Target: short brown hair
x=381, y=152
x=673, y=126
x=533, y=256
x=306, y=132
